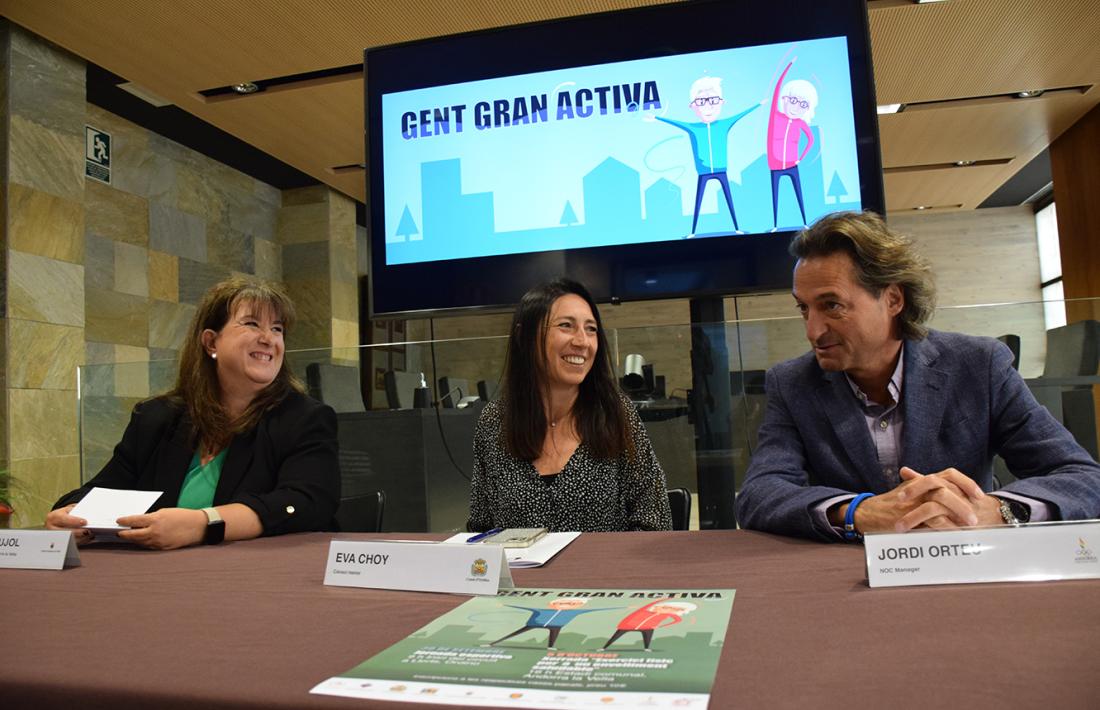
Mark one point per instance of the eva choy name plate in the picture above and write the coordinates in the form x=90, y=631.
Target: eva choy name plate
x=418, y=566
x=1025, y=553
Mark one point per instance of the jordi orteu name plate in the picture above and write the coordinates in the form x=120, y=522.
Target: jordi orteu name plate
x=418, y=566
x=1027, y=553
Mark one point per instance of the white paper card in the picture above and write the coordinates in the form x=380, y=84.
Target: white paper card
x=102, y=507
x=419, y=567
x=536, y=555
x=38, y=549
x=1028, y=553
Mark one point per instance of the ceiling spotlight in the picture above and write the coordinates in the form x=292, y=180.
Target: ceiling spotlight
x=890, y=108
x=247, y=87
x=963, y=163
x=921, y=207
x=1031, y=94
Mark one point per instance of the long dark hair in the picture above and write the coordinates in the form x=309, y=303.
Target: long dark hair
x=598, y=412
x=197, y=386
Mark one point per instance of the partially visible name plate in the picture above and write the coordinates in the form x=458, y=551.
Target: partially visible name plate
x=1028, y=553
x=38, y=549
x=418, y=566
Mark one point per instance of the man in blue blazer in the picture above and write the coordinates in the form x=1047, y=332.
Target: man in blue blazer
x=889, y=426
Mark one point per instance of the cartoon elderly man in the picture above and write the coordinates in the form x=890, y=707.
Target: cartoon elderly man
x=560, y=612
x=708, y=141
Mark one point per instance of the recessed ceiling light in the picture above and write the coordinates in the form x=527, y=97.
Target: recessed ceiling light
x=1030, y=94
x=963, y=163
x=889, y=108
x=921, y=207
x=246, y=87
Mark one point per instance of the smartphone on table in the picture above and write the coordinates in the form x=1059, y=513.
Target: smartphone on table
x=516, y=537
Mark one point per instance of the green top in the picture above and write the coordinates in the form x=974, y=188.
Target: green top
x=201, y=482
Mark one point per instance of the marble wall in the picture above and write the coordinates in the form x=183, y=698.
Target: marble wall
x=316, y=231
x=43, y=254
x=108, y=276
x=171, y=224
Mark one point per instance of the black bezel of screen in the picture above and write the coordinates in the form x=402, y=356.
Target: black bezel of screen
x=674, y=269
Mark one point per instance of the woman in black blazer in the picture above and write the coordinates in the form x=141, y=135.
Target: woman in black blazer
x=236, y=447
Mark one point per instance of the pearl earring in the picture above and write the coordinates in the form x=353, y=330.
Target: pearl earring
x=213, y=356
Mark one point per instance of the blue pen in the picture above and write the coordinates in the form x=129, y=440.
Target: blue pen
x=481, y=536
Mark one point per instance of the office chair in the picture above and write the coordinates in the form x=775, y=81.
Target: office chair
x=452, y=390
x=1013, y=343
x=336, y=386
x=747, y=382
x=402, y=388
x=679, y=500
x=486, y=390
x=1073, y=351
x=362, y=513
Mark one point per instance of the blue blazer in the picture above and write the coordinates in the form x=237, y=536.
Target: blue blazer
x=962, y=402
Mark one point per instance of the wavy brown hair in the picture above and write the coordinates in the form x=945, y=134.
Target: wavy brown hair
x=880, y=257
x=598, y=412
x=197, y=387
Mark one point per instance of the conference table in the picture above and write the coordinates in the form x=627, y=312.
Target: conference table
x=250, y=625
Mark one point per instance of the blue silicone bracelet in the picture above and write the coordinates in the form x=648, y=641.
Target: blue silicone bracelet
x=850, y=531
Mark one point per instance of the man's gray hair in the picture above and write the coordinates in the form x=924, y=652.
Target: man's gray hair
x=880, y=257
x=712, y=84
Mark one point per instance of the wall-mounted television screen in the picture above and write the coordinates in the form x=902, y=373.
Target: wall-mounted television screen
x=662, y=152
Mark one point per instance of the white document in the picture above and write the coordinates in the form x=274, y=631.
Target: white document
x=536, y=555
x=1027, y=553
x=423, y=567
x=102, y=507
x=38, y=549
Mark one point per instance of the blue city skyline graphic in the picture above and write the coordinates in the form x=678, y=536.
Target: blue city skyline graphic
x=614, y=179
x=459, y=225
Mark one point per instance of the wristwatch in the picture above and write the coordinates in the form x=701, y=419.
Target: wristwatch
x=215, y=527
x=1013, y=512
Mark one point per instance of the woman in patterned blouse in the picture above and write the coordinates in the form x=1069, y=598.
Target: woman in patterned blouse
x=562, y=448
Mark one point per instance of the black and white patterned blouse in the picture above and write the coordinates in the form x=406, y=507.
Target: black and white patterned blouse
x=588, y=495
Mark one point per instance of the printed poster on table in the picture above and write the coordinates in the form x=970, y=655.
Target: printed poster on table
x=556, y=648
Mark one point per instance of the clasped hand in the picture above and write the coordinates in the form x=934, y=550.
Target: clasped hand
x=165, y=529
x=948, y=499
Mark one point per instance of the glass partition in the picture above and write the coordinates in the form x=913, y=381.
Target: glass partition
x=417, y=445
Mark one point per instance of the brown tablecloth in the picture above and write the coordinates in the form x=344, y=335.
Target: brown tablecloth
x=250, y=625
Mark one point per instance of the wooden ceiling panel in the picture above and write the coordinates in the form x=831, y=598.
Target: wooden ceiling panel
x=981, y=132
x=951, y=186
x=934, y=52
x=963, y=48
x=201, y=44
x=312, y=128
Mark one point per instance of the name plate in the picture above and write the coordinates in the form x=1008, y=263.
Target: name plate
x=418, y=566
x=38, y=549
x=1028, y=553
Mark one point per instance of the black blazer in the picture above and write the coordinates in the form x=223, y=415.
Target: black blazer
x=285, y=469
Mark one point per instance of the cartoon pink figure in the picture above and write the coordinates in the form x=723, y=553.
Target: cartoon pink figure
x=650, y=617
x=792, y=110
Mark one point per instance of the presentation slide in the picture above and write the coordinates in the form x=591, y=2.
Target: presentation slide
x=740, y=141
